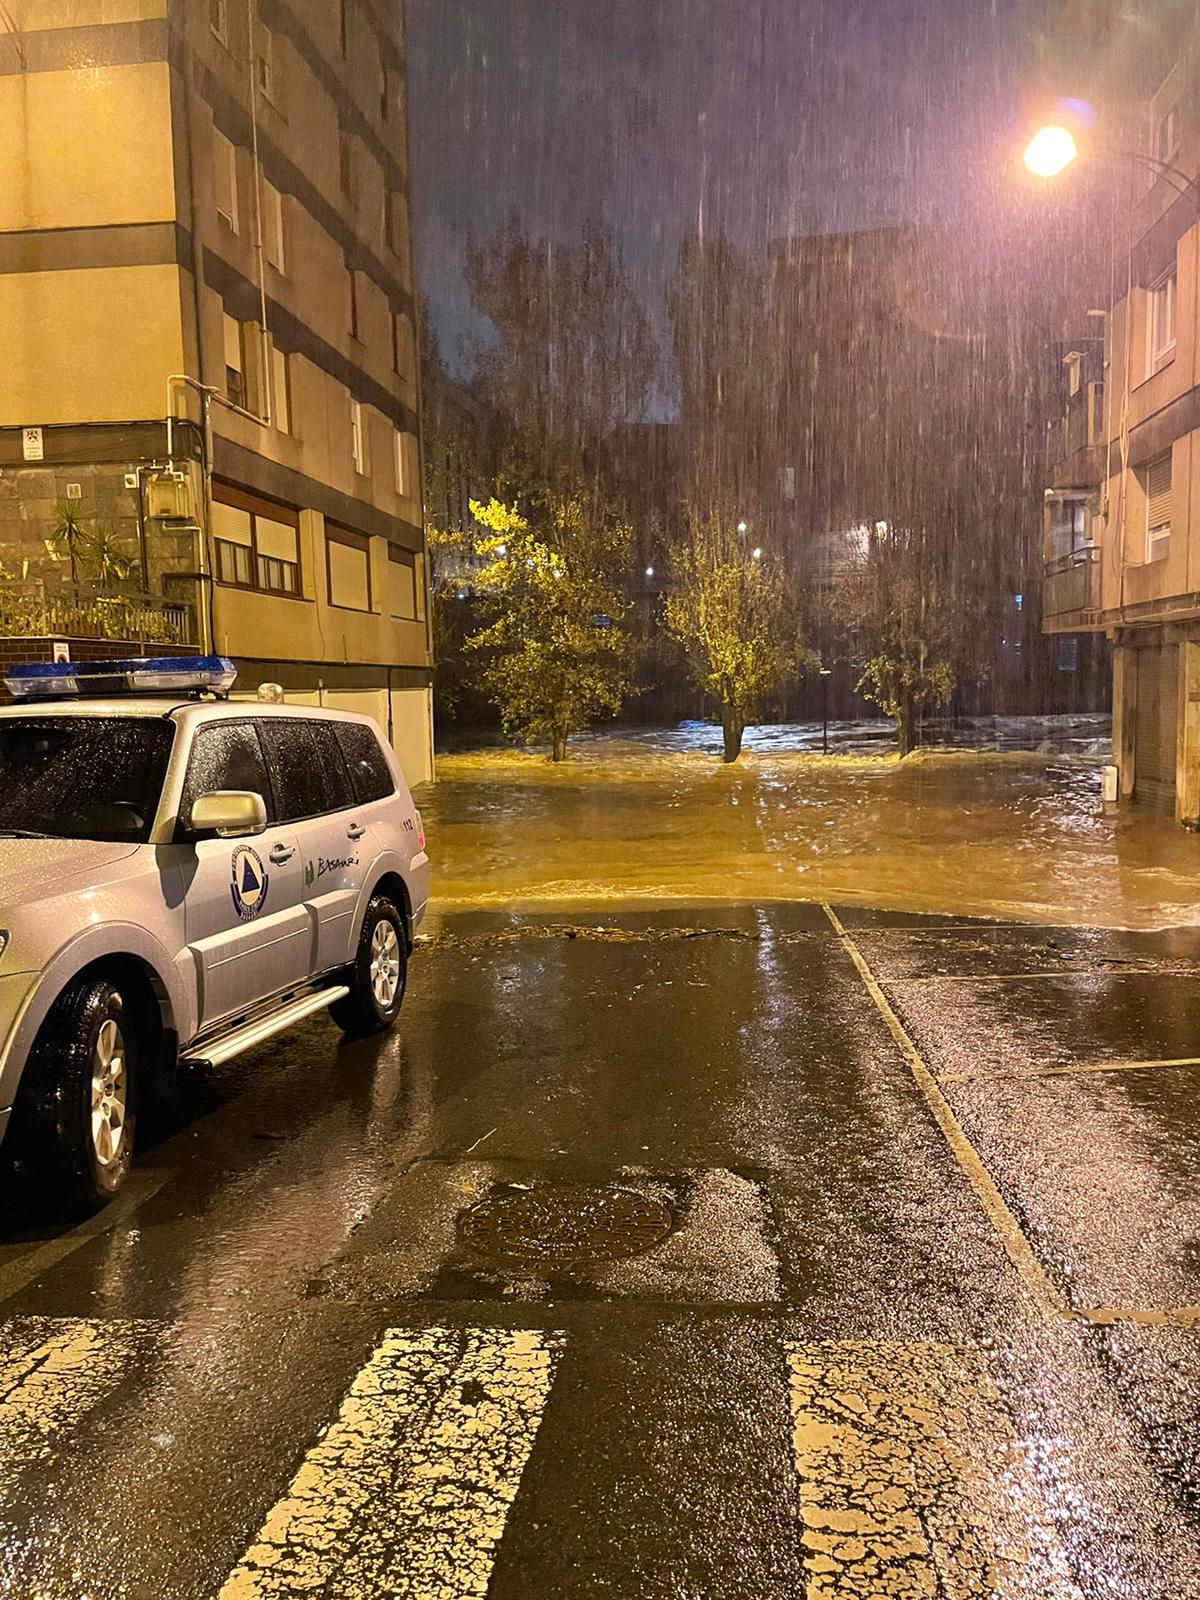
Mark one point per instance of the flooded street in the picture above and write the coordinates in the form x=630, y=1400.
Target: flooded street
x=993, y=833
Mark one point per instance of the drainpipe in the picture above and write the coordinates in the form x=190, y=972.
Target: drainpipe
x=260, y=256
x=181, y=380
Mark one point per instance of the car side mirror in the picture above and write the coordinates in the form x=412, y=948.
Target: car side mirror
x=229, y=813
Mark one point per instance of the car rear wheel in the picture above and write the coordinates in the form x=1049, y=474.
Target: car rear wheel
x=77, y=1111
x=379, y=976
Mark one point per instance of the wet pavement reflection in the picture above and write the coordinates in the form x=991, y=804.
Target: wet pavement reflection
x=646, y=1258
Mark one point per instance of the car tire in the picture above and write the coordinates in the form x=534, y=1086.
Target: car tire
x=379, y=977
x=76, y=1114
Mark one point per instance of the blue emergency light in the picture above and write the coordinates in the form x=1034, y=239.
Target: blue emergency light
x=72, y=680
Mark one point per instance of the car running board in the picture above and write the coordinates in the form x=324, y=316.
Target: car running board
x=229, y=1045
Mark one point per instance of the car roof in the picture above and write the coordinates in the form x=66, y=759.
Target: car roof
x=184, y=713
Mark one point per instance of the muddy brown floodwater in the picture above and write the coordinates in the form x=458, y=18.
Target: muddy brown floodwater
x=1004, y=835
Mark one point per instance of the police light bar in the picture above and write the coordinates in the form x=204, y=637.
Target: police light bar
x=62, y=680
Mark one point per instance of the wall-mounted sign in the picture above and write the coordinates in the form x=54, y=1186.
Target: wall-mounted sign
x=61, y=650
x=33, y=444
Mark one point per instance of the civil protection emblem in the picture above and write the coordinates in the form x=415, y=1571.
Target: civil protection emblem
x=250, y=883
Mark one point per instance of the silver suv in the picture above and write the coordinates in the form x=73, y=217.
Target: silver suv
x=181, y=878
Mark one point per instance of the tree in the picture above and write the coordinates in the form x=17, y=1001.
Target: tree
x=573, y=358
x=557, y=656
x=735, y=618
x=914, y=626
x=725, y=346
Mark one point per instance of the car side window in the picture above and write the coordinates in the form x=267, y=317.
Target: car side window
x=225, y=755
x=334, y=762
x=367, y=763
x=310, y=775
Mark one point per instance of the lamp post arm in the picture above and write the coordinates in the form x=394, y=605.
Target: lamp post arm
x=1179, y=180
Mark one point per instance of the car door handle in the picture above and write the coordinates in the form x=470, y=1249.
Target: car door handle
x=355, y=830
x=281, y=853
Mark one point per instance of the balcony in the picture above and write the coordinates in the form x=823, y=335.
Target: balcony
x=35, y=609
x=1075, y=441
x=1071, y=592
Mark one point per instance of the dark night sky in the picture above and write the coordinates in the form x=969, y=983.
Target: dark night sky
x=774, y=115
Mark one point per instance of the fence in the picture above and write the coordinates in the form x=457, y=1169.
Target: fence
x=31, y=608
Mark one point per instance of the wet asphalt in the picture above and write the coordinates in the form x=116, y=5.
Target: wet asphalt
x=804, y=1227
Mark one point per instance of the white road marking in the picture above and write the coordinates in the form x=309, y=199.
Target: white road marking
x=1067, y=1072
x=407, y=1494
x=1048, y=975
x=51, y=1374
x=911, y=1481
x=1043, y=1293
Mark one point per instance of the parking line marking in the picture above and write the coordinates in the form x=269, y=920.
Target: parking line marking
x=1042, y=1292
x=1067, y=1072
x=912, y=1482
x=52, y=1371
x=1039, y=977
x=407, y=1494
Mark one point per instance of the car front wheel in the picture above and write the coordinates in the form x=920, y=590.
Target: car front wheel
x=379, y=975
x=76, y=1115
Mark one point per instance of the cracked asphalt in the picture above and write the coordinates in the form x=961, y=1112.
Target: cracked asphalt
x=913, y=1307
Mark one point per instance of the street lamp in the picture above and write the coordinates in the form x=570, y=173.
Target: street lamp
x=1052, y=150
x=826, y=674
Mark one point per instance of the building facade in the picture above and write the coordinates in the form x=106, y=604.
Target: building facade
x=209, y=424
x=1123, y=491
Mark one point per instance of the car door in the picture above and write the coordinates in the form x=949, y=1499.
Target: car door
x=247, y=926
x=317, y=798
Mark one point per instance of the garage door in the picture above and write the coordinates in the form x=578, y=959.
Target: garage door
x=1157, y=716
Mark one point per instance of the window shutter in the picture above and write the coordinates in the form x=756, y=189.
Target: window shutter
x=1158, y=495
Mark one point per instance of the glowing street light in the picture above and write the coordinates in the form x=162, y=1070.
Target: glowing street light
x=757, y=552
x=649, y=572
x=743, y=527
x=1051, y=151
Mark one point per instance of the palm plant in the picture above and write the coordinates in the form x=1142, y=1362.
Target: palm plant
x=106, y=554
x=69, y=534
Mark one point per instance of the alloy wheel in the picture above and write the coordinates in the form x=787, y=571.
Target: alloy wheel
x=110, y=1093
x=385, y=965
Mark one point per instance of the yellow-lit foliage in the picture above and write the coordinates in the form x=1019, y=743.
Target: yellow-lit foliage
x=732, y=613
x=558, y=658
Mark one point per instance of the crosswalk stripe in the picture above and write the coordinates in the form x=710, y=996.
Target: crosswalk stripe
x=911, y=1480
x=407, y=1494
x=52, y=1373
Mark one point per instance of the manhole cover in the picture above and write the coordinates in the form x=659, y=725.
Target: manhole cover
x=562, y=1225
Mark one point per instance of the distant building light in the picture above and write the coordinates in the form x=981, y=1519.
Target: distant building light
x=1019, y=601
x=881, y=529
x=649, y=572
x=743, y=527
x=757, y=552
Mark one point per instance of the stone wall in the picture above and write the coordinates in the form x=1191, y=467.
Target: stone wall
x=29, y=498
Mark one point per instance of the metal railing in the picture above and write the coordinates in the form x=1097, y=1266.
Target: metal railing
x=1072, y=583
x=33, y=609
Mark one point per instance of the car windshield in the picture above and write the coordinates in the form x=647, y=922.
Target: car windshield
x=82, y=777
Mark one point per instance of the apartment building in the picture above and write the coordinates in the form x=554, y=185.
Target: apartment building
x=209, y=424
x=1123, y=496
